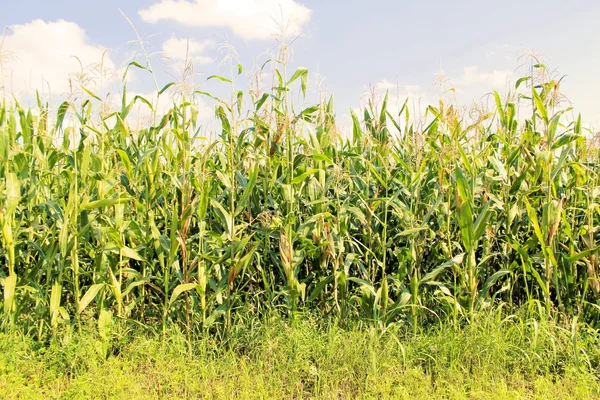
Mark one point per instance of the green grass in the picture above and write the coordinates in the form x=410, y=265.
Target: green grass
x=486, y=360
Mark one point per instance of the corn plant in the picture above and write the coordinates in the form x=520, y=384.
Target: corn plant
x=280, y=213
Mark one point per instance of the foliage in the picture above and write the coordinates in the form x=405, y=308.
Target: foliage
x=395, y=225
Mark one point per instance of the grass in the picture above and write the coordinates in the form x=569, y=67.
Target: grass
x=271, y=359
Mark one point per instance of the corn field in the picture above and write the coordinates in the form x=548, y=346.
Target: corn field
x=393, y=223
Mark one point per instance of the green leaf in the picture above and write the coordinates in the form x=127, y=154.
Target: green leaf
x=135, y=284
x=125, y=160
x=10, y=284
x=239, y=101
x=578, y=256
x=565, y=139
x=383, y=115
x=121, y=126
x=540, y=106
x=301, y=73
x=167, y=86
x=356, y=128
x=499, y=167
x=243, y=200
x=465, y=213
x=184, y=287
x=554, y=126
x=224, y=216
x=534, y=220
x=490, y=281
x=90, y=295
x=55, y=296
x=213, y=317
x=412, y=231
x=243, y=262
x=319, y=288
x=500, y=108
x=145, y=101
x=131, y=253
x=261, y=101
x=481, y=222
x=115, y=286
x=92, y=94
x=376, y=174
x=137, y=65
x=303, y=176
x=105, y=324
x=13, y=193
x=62, y=112
x=364, y=285
x=464, y=158
x=431, y=275
x=103, y=203
x=219, y=77
x=521, y=80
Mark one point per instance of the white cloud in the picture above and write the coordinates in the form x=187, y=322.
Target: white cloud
x=498, y=54
x=250, y=19
x=385, y=84
x=42, y=54
x=181, y=49
x=472, y=75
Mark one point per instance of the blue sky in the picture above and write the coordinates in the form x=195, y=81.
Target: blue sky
x=396, y=45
